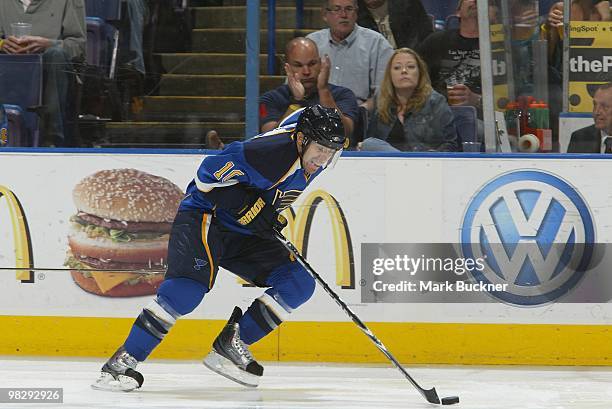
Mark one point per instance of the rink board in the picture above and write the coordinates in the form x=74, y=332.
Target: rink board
x=411, y=343
x=395, y=199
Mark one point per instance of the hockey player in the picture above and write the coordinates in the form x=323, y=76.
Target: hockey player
x=227, y=219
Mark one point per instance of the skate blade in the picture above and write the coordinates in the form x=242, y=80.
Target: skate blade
x=224, y=367
x=106, y=382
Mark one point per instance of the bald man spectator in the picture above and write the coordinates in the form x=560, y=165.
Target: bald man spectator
x=358, y=55
x=307, y=84
x=59, y=34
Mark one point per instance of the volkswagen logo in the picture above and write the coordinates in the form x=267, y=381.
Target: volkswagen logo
x=535, y=233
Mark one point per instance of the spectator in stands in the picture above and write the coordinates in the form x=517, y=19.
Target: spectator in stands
x=590, y=10
x=581, y=10
x=137, y=13
x=59, y=33
x=453, y=58
x=545, y=5
x=604, y=9
x=456, y=53
x=552, y=31
x=596, y=138
x=307, y=84
x=404, y=23
x=358, y=55
x=409, y=115
x=213, y=140
x=524, y=20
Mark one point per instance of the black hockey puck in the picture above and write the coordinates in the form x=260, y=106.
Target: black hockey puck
x=450, y=400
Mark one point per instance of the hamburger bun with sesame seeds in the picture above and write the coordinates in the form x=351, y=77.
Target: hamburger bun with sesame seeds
x=123, y=222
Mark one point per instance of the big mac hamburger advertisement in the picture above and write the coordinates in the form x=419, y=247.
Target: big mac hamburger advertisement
x=86, y=234
x=118, y=239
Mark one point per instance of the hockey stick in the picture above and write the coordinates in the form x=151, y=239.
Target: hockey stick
x=429, y=394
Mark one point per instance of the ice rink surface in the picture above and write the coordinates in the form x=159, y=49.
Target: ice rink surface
x=182, y=384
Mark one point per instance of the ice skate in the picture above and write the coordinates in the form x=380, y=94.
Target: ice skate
x=230, y=357
x=119, y=373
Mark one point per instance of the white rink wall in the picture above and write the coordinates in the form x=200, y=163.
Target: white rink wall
x=399, y=199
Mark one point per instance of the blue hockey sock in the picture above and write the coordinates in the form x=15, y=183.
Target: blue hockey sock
x=175, y=298
x=140, y=343
x=250, y=330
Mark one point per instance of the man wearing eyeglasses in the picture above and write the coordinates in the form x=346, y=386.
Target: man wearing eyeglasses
x=358, y=55
x=596, y=138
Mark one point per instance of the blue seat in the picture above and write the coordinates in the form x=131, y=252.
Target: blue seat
x=440, y=8
x=108, y=10
x=99, y=72
x=21, y=84
x=17, y=134
x=95, y=41
x=100, y=42
x=466, y=123
x=452, y=21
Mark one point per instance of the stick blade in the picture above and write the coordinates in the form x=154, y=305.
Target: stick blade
x=431, y=395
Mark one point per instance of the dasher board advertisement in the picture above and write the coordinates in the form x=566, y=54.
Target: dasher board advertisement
x=590, y=62
x=500, y=67
x=405, y=238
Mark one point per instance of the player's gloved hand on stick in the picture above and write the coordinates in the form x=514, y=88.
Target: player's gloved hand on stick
x=261, y=218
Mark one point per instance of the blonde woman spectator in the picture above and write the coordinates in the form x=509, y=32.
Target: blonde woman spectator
x=408, y=114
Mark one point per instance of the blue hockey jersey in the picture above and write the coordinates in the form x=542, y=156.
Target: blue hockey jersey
x=269, y=163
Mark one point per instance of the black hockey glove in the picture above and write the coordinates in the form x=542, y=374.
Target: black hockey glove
x=261, y=218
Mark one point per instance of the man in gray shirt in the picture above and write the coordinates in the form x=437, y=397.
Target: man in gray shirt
x=59, y=33
x=358, y=55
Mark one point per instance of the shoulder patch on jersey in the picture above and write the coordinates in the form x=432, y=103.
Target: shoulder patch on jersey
x=271, y=155
x=232, y=174
x=224, y=169
x=277, y=131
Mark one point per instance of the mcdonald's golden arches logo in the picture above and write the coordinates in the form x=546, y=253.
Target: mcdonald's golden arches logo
x=21, y=235
x=300, y=222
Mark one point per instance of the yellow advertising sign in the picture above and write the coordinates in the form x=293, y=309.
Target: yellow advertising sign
x=590, y=62
x=497, y=36
x=499, y=67
x=21, y=235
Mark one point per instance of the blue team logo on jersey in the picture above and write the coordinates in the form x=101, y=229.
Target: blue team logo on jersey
x=199, y=263
x=534, y=232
